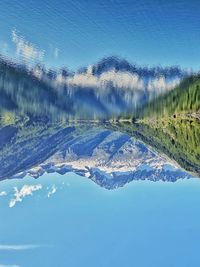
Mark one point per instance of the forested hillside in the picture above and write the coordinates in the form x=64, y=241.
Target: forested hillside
x=183, y=99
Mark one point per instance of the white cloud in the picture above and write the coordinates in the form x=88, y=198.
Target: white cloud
x=83, y=80
x=26, y=190
x=120, y=79
x=52, y=191
x=3, y=265
x=26, y=49
x=162, y=84
x=3, y=193
x=56, y=52
x=117, y=79
x=18, y=247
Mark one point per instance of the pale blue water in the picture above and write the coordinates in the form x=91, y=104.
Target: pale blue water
x=78, y=33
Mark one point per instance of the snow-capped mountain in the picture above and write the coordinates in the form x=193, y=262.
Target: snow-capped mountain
x=113, y=84
x=117, y=72
x=110, y=159
x=110, y=88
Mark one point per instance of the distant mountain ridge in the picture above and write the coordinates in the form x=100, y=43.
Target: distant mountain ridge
x=106, y=64
x=120, y=64
x=109, y=70
x=106, y=89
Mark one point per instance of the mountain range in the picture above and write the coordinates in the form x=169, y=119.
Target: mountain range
x=109, y=158
x=108, y=88
x=45, y=122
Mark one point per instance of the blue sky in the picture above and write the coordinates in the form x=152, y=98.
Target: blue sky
x=77, y=33
x=81, y=224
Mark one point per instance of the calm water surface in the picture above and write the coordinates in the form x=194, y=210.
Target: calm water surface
x=83, y=180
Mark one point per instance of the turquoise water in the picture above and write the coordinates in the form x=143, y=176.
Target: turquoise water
x=82, y=224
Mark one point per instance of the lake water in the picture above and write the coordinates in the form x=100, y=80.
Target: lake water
x=100, y=198
x=99, y=133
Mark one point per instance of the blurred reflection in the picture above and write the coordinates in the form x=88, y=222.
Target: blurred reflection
x=109, y=158
x=70, y=129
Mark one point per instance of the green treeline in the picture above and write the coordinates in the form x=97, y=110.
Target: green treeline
x=179, y=139
x=183, y=99
x=21, y=93
x=167, y=124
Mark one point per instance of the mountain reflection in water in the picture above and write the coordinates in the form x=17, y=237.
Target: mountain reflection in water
x=109, y=158
x=45, y=130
